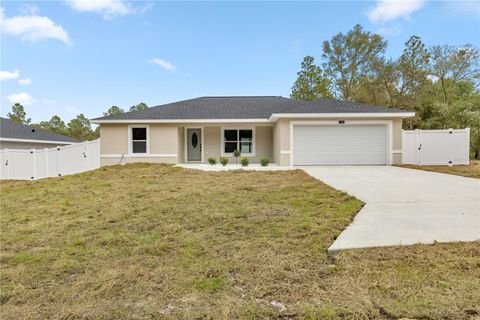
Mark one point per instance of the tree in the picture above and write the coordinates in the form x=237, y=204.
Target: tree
x=457, y=64
x=114, y=110
x=398, y=80
x=347, y=58
x=80, y=128
x=55, y=124
x=310, y=83
x=18, y=114
x=378, y=85
x=412, y=69
x=140, y=106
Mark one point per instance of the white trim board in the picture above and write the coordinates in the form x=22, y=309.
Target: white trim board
x=179, y=121
x=272, y=118
x=37, y=141
x=276, y=116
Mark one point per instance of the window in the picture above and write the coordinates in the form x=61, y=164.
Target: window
x=139, y=140
x=238, y=139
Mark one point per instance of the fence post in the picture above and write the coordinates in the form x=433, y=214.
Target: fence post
x=468, y=143
x=450, y=146
x=85, y=155
x=418, y=146
x=34, y=164
x=59, y=161
x=7, y=171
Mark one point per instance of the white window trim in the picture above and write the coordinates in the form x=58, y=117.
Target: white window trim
x=130, y=141
x=387, y=123
x=185, y=143
x=222, y=141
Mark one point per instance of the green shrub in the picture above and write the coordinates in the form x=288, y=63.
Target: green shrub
x=212, y=161
x=244, y=162
x=224, y=161
x=264, y=162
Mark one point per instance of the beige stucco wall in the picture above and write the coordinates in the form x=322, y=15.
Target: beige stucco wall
x=397, y=141
x=163, y=139
x=180, y=143
x=163, y=144
x=211, y=145
x=113, y=139
x=281, y=142
x=27, y=145
x=167, y=142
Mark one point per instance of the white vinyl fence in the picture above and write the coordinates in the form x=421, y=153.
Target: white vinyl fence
x=52, y=162
x=436, y=147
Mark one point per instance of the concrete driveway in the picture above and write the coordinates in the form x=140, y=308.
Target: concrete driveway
x=405, y=206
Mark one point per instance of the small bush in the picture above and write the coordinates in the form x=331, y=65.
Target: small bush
x=212, y=161
x=264, y=162
x=244, y=162
x=224, y=161
x=236, y=154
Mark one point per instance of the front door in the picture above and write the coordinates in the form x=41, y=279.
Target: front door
x=194, y=144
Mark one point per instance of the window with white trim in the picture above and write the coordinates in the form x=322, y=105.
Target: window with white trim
x=139, y=140
x=238, y=139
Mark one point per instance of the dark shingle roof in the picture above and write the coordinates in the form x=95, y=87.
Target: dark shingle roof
x=257, y=107
x=12, y=130
x=324, y=105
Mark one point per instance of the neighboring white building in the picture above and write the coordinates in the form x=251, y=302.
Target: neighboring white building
x=19, y=136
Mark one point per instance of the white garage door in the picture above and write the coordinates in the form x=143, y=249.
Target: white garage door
x=339, y=144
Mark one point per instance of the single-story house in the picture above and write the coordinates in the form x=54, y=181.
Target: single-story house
x=21, y=136
x=286, y=131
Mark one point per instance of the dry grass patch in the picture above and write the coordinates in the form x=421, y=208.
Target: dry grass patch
x=149, y=241
x=471, y=171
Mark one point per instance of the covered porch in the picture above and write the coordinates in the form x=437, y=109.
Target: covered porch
x=198, y=143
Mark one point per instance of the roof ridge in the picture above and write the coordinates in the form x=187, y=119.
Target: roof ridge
x=241, y=97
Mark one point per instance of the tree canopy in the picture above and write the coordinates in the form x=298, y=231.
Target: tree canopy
x=114, y=110
x=55, y=124
x=18, y=114
x=140, y=106
x=311, y=83
x=347, y=58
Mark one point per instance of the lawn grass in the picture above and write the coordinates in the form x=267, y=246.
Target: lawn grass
x=146, y=241
x=471, y=171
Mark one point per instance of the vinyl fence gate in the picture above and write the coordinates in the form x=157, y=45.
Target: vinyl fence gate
x=52, y=162
x=436, y=147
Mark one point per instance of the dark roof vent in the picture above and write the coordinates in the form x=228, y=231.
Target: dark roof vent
x=33, y=129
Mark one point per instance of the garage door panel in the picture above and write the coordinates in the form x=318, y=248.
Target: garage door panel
x=338, y=145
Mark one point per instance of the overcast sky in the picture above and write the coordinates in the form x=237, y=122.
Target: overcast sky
x=70, y=57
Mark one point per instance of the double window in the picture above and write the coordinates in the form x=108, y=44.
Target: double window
x=238, y=139
x=139, y=139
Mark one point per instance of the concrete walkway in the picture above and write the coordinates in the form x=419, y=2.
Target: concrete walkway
x=405, y=206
